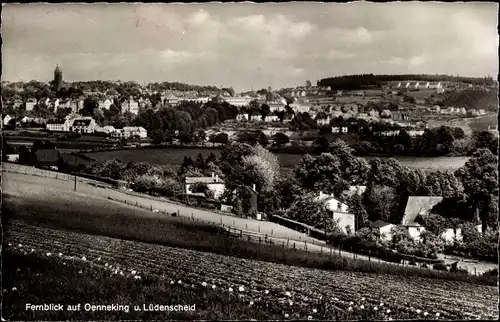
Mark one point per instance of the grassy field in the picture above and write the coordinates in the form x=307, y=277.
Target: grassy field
x=51, y=266
x=174, y=157
x=469, y=124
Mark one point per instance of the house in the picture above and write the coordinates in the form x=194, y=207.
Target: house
x=7, y=119
x=105, y=104
x=57, y=125
x=257, y=118
x=26, y=119
x=48, y=158
x=384, y=228
x=14, y=157
x=214, y=184
x=276, y=107
x=360, y=190
x=417, y=206
x=451, y=235
x=323, y=120
x=238, y=100
x=130, y=132
x=105, y=129
x=17, y=103
x=339, y=129
x=271, y=118
x=481, y=111
x=252, y=198
x=130, y=105
x=339, y=210
x=30, y=104
x=242, y=117
x=386, y=113
x=299, y=107
x=435, y=85
x=83, y=125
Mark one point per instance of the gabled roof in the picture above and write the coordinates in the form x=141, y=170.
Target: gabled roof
x=81, y=122
x=380, y=224
x=417, y=205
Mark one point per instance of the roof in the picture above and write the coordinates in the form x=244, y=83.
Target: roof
x=56, y=121
x=380, y=224
x=81, y=122
x=191, y=180
x=134, y=129
x=48, y=156
x=418, y=205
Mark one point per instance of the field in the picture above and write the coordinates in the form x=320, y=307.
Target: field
x=51, y=266
x=174, y=158
x=469, y=124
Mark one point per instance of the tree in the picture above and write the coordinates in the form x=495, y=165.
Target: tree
x=310, y=212
x=260, y=167
x=265, y=110
x=37, y=145
x=49, y=145
x=381, y=202
x=442, y=183
x=486, y=140
x=357, y=208
x=262, y=139
x=248, y=137
x=479, y=177
x=308, y=84
x=157, y=136
x=280, y=139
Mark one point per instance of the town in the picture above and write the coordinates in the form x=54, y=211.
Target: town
x=343, y=196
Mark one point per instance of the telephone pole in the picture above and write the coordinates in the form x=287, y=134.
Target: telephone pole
x=74, y=170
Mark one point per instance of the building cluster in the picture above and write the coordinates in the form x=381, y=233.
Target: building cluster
x=87, y=125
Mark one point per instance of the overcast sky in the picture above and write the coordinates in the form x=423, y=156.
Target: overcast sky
x=247, y=45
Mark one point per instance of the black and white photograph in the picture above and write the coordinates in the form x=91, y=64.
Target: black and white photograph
x=249, y=161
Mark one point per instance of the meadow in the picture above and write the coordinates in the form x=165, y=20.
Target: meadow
x=175, y=156
x=53, y=266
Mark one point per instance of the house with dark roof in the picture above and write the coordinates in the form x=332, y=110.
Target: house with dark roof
x=214, y=184
x=48, y=158
x=418, y=206
x=384, y=228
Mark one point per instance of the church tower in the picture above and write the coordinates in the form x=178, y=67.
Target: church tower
x=57, y=78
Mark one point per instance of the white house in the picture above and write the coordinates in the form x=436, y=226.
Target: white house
x=214, y=184
x=238, y=100
x=30, y=104
x=130, y=132
x=131, y=106
x=59, y=125
x=323, y=121
x=276, y=107
x=13, y=157
x=105, y=104
x=300, y=108
x=26, y=119
x=384, y=228
x=339, y=210
x=6, y=119
x=257, y=118
x=271, y=118
x=242, y=117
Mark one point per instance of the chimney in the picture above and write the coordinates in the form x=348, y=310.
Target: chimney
x=217, y=178
x=213, y=174
x=254, y=187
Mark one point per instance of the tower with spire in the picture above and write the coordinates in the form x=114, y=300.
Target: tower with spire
x=57, y=78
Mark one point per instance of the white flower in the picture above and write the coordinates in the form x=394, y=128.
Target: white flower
x=48, y=254
x=362, y=299
x=83, y=258
x=230, y=289
x=390, y=319
x=309, y=317
x=133, y=272
x=10, y=244
x=171, y=282
x=137, y=277
x=418, y=311
x=381, y=304
x=266, y=292
x=251, y=302
x=80, y=271
x=241, y=289
x=362, y=307
x=20, y=245
x=291, y=303
x=14, y=288
x=288, y=294
x=388, y=311
x=121, y=272
x=351, y=303
x=32, y=250
x=60, y=254
x=179, y=281
x=106, y=265
x=438, y=314
x=204, y=284
x=213, y=287
x=350, y=308
x=99, y=258
x=286, y=315
x=425, y=313
x=335, y=298
x=375, y=308
x=314, y=310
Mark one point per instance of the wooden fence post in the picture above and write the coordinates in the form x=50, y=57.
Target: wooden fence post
x=321, y=251
x=369, y=255
x=241, y=234
x=259, y=240
x=294, y=246
x=283, y=244
x=305, y=245
x=287, y=241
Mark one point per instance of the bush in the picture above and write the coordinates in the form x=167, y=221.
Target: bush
x=440, y=267
x=491, y=272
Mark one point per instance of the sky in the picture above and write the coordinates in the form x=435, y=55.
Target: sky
x=247, y=45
